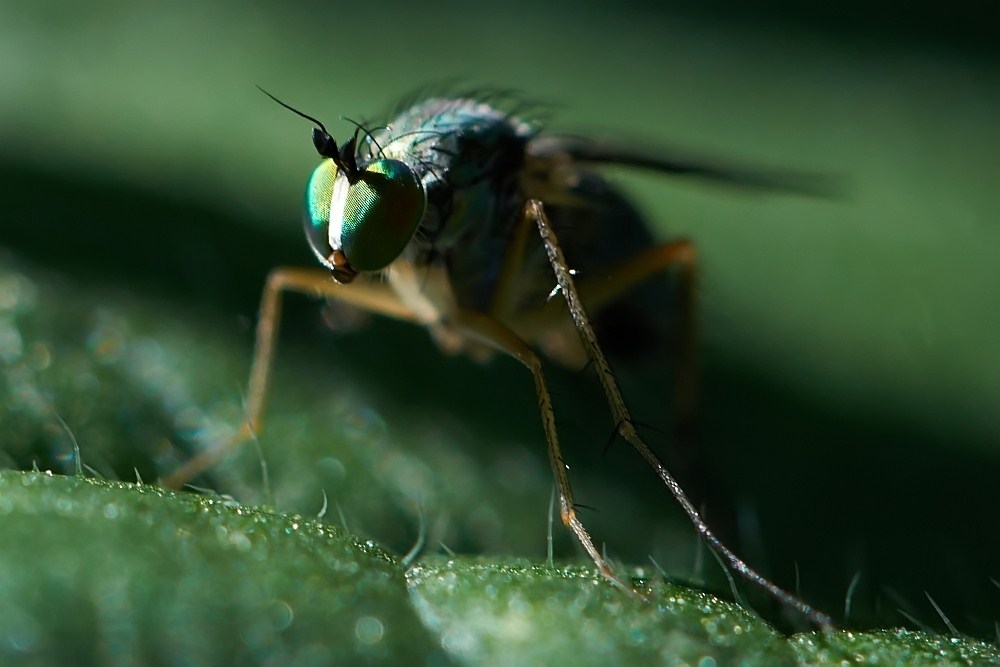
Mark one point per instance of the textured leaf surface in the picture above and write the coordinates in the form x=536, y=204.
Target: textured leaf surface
x=851, y=367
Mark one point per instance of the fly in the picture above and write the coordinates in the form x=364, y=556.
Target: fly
x=454, y=206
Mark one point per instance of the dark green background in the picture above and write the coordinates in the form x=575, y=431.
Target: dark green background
x=852, y=369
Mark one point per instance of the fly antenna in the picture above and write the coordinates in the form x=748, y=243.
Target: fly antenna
x=368, y=133
x=344, y=156
x=296, y=111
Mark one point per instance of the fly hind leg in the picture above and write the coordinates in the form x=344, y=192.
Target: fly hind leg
x=680, y=258
x=626, y=428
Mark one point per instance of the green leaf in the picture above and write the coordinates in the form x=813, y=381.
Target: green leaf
x=108, y=573
x=489, y=612
x=892, y=647
x=95, y=572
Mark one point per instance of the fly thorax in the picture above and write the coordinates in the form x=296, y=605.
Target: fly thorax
x=472, y=207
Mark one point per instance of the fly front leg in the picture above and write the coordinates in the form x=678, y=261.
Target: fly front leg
x=376, y=298
x=626, y=428
x=497, y=335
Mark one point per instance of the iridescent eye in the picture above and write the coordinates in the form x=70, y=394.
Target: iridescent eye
x=319, y=192
x=381, y=211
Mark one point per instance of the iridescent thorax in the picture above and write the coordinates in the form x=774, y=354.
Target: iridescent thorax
x=476, y=165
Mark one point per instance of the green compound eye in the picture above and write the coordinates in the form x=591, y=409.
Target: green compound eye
x=319, y=193
x=381, y=212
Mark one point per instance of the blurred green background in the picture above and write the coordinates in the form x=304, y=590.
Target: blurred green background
x=852, y=367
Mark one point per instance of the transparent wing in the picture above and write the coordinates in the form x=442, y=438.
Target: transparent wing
x=565, y=150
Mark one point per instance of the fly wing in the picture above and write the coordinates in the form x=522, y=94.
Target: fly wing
x=564, y=151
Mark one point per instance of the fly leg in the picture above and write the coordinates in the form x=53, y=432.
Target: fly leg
x=494, y=333
x=679, y=257
x=626, y=429
x=376, y=298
